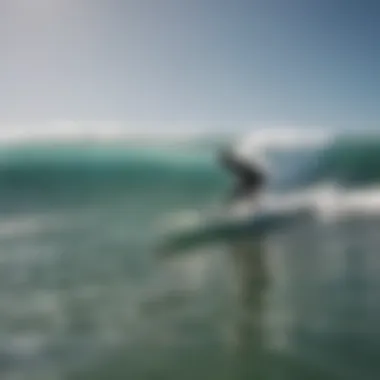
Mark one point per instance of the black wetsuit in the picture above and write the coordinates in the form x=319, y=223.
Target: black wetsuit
x=250, y=179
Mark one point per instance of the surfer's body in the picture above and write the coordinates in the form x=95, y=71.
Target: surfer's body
x=250, y=177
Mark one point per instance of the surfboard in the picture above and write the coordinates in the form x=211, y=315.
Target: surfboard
x=229, y=229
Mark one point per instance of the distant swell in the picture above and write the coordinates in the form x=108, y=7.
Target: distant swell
x=45, y=169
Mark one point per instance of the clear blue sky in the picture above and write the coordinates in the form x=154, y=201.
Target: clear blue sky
x=216, y=62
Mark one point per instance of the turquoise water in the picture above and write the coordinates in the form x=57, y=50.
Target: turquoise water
x=85, y=295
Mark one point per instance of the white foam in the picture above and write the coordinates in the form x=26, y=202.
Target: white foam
x=326, y=202
x=253, y=148
x=329, y=202
x=361, y=202
x=285, y=138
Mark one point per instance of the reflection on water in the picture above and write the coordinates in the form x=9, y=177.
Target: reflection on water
x=305, y=304
x=81, y=297
x=248, y=262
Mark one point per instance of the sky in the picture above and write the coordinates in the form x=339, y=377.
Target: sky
x=223, y=64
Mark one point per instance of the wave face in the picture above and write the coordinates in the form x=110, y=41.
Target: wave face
x=348, y=161
x=352, y=161
x=70, y=165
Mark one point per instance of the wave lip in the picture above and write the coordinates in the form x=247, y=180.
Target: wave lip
x=286, y=139
x=72, y=131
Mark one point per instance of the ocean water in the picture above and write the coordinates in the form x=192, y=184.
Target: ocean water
x=85, y=292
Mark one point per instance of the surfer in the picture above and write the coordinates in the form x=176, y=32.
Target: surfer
x=250, y=176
